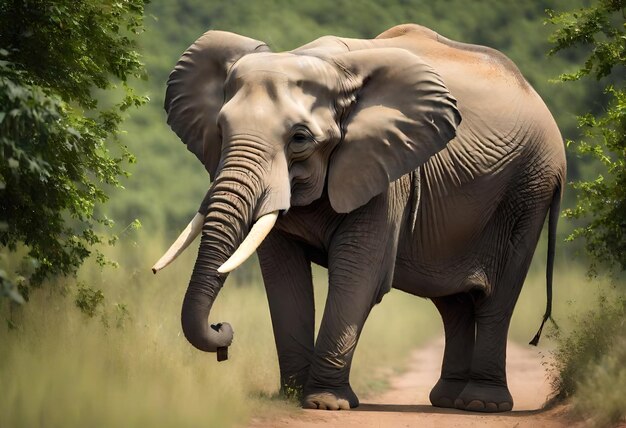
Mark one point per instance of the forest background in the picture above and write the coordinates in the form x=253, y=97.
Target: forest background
x=516, y=28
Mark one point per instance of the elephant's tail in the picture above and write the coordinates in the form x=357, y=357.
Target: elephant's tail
x=555, y=210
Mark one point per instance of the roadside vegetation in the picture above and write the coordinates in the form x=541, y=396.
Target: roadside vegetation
x=122, y=359
x=589, y=359
x=589, y=362
x=60, y=146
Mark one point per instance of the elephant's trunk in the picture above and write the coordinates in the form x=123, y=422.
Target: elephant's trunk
x=230, y=210
x=237, y=194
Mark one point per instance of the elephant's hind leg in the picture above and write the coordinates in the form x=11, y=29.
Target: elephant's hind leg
x=487, y=389
x=457, y=313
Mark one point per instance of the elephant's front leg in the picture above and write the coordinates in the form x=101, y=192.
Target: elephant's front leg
x=287, y=276
x=360, y=267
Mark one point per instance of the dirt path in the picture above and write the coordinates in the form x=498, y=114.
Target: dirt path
x=406, y=403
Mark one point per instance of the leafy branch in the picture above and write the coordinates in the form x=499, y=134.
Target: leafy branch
x=59, y=150
x=601, y=201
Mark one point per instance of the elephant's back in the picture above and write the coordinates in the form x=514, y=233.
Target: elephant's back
x=503, y=117
x=464, y=63
x=499, y=109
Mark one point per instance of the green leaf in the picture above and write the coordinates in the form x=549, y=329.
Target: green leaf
x=57, y=157
x=601, y=200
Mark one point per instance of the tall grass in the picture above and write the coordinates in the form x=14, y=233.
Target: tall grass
x=586, y=353
x=60, y=368
x=590, y=360
x=573, y=293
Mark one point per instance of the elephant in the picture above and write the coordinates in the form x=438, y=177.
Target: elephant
x=408, y=160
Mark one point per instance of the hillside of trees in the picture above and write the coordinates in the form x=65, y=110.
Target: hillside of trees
x=168, y=183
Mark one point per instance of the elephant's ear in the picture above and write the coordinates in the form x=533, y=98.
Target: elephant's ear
x=195, y=91
x=403, y=114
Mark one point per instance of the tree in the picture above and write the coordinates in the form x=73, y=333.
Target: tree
x=59, y=148
x=601, y=201
x=589, y=360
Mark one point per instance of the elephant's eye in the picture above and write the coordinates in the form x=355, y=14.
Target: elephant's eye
x=300, y=137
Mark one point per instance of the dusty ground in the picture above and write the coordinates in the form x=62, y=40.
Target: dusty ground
x=406, y=403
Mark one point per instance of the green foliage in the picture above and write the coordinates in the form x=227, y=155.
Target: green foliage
x=9, y=289
x=601, y=201
x=599, y=26
x=92, y=302
x=59, y=149
x=121, y=315
x=89, y=300
x=168, y=182
x=589, y=362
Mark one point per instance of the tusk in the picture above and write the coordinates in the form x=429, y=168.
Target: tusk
x=257, y=234
x=186, y=237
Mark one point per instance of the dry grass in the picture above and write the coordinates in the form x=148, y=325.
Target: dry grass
x=573, y=292
x=586, y=353
x=62, y=369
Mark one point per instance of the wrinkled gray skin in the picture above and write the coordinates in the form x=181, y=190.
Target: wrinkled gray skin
x=407, y=161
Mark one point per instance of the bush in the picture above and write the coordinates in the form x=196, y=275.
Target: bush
x=59, y=146
x=589, y=362
x=601, y=393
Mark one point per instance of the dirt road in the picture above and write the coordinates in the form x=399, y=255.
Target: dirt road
x=406, y=403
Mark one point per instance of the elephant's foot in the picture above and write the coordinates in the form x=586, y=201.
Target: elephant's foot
x=477, y=397
x=446, y=391
x=336, y=399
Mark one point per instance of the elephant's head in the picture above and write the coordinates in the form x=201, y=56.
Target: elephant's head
x=273, y=129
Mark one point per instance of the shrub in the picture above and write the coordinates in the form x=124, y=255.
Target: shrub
x=589, y=363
